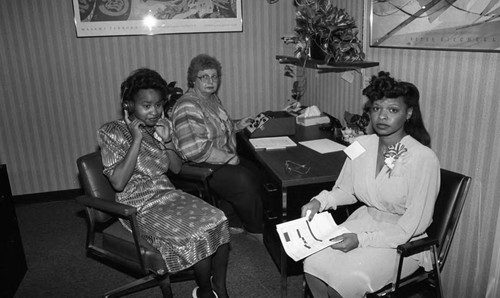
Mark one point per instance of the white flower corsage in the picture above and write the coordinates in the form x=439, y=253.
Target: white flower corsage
x=394, y=156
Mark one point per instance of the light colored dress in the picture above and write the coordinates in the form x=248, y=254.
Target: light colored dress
x=184, y=228
x=399, y=207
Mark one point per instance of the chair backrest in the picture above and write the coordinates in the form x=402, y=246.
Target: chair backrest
x=449, y=204
x=93, y=181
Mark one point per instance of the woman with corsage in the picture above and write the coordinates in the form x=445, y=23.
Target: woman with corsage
x=397, y=177
x=137, y=151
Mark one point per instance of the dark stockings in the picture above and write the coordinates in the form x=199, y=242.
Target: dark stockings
x=219, y=270
x=216, y=266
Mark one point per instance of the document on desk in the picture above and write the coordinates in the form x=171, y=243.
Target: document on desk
x=323, y=145
x=272, y=143
x=301, y=238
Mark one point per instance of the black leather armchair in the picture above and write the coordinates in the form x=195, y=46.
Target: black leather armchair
x=194, y=179
x=108, y=239
x=449, y=205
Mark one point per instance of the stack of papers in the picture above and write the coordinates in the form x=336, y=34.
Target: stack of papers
x=323, y=145
x=272, y=143
x=301, y=238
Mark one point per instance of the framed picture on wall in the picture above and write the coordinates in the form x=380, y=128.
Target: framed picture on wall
x=148, y=17
x=470, y=25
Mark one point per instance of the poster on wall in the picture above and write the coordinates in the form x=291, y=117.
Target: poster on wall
x=470, y=25
x=148, y=17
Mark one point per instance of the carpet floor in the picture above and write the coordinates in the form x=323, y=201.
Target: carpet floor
x=53, y=236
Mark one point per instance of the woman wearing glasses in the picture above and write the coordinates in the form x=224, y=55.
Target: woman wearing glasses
x=205, y=135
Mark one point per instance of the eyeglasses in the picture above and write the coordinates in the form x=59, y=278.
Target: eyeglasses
x=296, y=168
x=206, y=78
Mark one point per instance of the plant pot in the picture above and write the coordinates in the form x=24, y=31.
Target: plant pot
x=317, y=49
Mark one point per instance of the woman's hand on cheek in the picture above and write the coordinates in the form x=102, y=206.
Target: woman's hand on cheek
x=347, y=242
x=164, y=128
x=134, y=126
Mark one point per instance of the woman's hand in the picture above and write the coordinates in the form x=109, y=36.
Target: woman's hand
x=345, y=242
x=134, y=126
x=164, y=128
x=242, y=123
x=313, y=206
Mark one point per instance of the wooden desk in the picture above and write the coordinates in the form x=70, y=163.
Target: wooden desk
x=324, y=168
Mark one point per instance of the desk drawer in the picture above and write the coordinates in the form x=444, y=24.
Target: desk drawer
x=273, y=245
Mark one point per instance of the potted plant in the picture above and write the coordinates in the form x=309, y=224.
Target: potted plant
x=325, y=32
x=174, y=93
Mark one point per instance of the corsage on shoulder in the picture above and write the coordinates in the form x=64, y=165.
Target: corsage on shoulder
x=394, y=157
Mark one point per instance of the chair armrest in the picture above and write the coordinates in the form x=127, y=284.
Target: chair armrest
x=194, y=173
x=116, y=208
x=416, y=246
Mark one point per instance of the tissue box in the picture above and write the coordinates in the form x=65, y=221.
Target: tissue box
x=314, y=120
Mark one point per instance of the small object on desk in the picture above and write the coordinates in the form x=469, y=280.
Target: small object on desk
x=276, y=148
x=272, y=143
x=323, y=145
x=296, y=168
x=312, y=116
x=271, y=124
x=257, y=122
x=313, y=120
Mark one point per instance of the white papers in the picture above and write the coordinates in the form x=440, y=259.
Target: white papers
x=301, y=238
x=354, y=150
x=323, y=145
x=272, y=143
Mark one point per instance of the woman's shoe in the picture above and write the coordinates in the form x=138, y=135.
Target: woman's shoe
x=195, y=295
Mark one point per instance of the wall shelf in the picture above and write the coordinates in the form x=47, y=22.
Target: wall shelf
x=322, y=67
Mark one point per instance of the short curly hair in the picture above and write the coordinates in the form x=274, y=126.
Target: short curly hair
x=199, y=63
x=385, y=86
x=143, y=78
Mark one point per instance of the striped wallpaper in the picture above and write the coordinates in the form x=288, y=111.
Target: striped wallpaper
x=460, y=105
x=57, y=89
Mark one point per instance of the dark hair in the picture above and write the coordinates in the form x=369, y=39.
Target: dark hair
x=384, y=86
x=143, y=78
x=199, y=63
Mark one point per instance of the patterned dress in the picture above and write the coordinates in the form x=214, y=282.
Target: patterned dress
x=200, y=125
x=184, y=228
x=399, y=204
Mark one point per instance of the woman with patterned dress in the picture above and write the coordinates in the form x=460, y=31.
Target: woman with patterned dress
x=137, y=151
x=397, y=177
x=205, y=134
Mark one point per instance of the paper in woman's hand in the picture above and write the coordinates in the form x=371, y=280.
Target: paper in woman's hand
x=301, y=238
